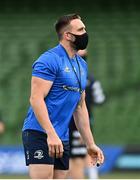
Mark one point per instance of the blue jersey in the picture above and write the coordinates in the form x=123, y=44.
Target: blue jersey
x=64, y=95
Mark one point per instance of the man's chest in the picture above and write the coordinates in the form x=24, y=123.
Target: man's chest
x=72, y=74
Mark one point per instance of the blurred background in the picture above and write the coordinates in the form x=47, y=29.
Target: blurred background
x=26, y=31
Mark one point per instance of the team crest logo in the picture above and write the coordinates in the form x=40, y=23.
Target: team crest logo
x=38, y=154
x=67, y=69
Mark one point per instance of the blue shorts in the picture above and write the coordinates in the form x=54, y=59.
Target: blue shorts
x=36, y=150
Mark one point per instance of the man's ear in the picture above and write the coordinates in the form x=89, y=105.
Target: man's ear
x=69, y=36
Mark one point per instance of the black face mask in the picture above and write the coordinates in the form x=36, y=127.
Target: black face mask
x=81, y=41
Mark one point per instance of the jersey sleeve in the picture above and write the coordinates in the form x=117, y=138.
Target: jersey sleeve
x=46, y=67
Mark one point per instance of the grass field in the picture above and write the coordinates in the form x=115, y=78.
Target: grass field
x=113, y=175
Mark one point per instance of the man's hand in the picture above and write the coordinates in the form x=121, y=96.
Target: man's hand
x=55, y=146
x=96, y=154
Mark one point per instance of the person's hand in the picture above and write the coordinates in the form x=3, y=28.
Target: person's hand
x=55, y=146
x=96, y=154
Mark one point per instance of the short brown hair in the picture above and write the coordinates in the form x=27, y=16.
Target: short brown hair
x=64, y=21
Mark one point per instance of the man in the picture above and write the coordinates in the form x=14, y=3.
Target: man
x=2, y=125
x=57, y=91
x=79, y=159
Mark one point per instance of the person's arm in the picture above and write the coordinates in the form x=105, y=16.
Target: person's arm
x=39, y=90
x=81, y=119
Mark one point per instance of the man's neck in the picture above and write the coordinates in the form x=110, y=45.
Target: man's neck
x=71, y=52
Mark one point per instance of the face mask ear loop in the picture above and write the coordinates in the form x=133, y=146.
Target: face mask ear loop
x=72, y=35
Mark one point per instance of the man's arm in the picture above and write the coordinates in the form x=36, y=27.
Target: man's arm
x=39, y=90
x=81, y=119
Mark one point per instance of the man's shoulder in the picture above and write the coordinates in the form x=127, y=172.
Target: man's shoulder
x=49, y=55
x=54, y=52
x=57, y=51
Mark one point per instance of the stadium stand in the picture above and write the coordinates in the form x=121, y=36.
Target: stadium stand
x=114, y=52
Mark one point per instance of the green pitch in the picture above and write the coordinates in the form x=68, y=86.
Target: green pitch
x=113, y=175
